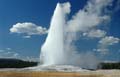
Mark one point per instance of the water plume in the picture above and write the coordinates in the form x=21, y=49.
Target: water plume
x=58, y=48
x=52, y=51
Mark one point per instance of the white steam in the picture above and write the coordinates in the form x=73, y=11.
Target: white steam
x=59, y=48
x=52, y=51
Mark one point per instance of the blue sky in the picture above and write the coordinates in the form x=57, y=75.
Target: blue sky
x=40, y=12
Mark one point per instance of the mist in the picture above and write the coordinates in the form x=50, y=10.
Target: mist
x=59, y=48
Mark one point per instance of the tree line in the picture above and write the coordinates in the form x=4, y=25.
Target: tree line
x=17, y=63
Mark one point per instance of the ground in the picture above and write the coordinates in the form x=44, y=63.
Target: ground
x=97, y=73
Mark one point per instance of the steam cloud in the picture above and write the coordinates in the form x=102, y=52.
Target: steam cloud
x=58, y=47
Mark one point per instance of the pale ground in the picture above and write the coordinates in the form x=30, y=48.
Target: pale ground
x=21, y=73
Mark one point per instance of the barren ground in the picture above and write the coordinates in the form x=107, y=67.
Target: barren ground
x=98, y=73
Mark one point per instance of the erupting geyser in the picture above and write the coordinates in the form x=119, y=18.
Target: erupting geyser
x=56, y=50
x=53, y=48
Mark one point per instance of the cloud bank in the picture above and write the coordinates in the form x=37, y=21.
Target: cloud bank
x=8, y=53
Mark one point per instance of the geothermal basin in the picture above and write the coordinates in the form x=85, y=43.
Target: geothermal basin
x=58, y=57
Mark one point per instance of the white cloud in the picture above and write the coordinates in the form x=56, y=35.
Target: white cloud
x=31, y=58
x=8, y=49
x=28, y=28
x=105, y=42
x=26, y=36
x=95, y=33
x=15, y=54
x=7, y=53
x=109, y=40
x=10, y=54
x=102, y=51
x=1, y=51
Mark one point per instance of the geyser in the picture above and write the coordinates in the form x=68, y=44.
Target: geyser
x=52, y=51
x=57, y=48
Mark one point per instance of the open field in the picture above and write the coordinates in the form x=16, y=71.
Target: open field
x=99, y=73
x=45, y=74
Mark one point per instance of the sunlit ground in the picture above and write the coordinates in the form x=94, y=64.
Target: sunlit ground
x=98, y=73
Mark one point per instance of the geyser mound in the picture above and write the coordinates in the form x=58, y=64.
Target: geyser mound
x=56, y=50
x=57, y=68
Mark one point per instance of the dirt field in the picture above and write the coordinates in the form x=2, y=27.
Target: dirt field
x=100, y=73
x=45, y=74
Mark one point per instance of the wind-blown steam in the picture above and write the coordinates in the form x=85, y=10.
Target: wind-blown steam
x=58, y=48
